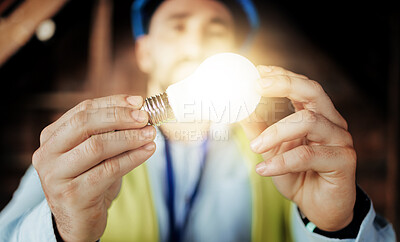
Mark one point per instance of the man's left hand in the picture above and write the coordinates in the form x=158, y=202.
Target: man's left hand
x=309, y=154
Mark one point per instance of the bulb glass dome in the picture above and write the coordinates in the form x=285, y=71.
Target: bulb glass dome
x=222, y=89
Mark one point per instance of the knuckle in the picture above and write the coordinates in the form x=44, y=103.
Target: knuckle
x=348, y=139
x=309, y=116
x=57, y=134
x=344, y=124
x=73, y=155
x=130, y=137
x=85, y=105
x=70, y=160
x=93, y=178
x=349, y=160
x=317, y=87
x=111, y=101
x=36, y=158
x=134, y=160
x=44, y=134
x=70, y=191
x=301, y=76
x=280, y=161
x=79, y=119
x=48, y=179
x=351, y=153
x=119, y=114
x=132, y=156
x=94, y=145
x=284, y=163
x=305, y=153
x=111, y=167
x=325, y=123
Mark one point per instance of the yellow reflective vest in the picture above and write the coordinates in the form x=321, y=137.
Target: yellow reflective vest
x=132, y=215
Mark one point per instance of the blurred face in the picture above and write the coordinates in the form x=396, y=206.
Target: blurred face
x=182, y=34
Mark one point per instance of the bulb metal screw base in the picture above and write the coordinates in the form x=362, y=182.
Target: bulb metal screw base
x=158, y=109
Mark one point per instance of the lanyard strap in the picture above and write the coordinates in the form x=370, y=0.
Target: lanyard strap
x=176, y=232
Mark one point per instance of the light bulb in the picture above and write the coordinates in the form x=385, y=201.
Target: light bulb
x=222, y=90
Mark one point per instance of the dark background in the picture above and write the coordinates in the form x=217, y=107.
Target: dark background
x=351, y=49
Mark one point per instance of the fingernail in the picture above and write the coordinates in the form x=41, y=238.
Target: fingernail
x=266, y=82
x=140, y=116
x=260, y=168
x=136, y=101
x=149, y=146
x=255, y=144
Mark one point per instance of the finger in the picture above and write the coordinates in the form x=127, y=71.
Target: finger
x=268, y=112
x=86, y=123
x=122, y=100
x=98, y=179
x=101, y=147
x=301, y=90
x=276, y=70
x=253, y=125
x=285, y=146
x=322, y=159
x=314, y=127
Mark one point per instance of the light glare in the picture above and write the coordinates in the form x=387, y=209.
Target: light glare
x=222, y=89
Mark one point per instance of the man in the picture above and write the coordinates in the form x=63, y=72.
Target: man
x=194, y=190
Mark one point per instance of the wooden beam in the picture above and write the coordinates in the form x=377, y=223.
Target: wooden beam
x=18, y=28
x=100, y=52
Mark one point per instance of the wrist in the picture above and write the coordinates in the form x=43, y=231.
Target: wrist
x=349, y=230
x=61, y=235
x=56, y=232
x=339, y=225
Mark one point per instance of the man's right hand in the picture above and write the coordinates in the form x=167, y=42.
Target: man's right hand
x=83, y=156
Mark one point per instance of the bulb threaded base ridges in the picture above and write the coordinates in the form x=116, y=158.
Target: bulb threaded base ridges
x=158, y=109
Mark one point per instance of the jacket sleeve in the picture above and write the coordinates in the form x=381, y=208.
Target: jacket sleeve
x=373, y=228
x=27, y=217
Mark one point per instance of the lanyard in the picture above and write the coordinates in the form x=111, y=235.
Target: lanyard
x=176, y=232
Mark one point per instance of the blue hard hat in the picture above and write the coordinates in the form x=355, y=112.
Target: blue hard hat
x=142, y=10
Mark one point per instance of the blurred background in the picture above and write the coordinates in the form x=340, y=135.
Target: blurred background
x=54, y=54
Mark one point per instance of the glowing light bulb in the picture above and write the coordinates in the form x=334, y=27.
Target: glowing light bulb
x=222, y=90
